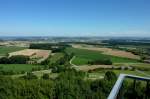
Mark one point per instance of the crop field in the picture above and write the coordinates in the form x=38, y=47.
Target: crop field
x=37, y=54
x=84, y=55
x=17, y=67
x=4, y=50
x=107, y=51
x=56, y=57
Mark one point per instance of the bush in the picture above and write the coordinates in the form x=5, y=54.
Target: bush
x=101, y=62
x=29, y=76
x=18, y=59
x=4, y=60
x=109, y=75
x=45, y=76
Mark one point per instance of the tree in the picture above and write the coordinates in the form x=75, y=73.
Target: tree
x=29, y=76
x=109, y=75
x=19, y=59
x=4, y=60
x=45, y=76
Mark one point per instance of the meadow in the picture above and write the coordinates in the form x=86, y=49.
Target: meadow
x=101, y=73
x=4, y=50
x=18, y=67
x=55, y=57
x=82, y=56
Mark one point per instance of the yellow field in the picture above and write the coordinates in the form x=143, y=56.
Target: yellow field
x=33, y=53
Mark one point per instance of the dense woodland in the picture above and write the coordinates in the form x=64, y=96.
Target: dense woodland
x=70, y=84
x=18, y=59
x=126, y=42
x=58, y=47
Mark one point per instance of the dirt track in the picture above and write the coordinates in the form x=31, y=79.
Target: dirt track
x=92, y=67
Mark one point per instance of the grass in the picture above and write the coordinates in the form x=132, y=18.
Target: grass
x=142, y=66
x=17, y=67
x=83, y=56
x=117, y=72
x=56, y=57
x=4, y=50
x=96, y=74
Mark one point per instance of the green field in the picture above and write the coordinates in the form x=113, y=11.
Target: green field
x=4, y=50
x=17, y=67
x=83, y=56
x=56, y=57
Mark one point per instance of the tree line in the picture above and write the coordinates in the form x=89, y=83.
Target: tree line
x=100, y=62
x=18, y=59
x=70, y=84
x=54, y=47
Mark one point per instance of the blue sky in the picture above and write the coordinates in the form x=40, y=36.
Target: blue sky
x=75, y=18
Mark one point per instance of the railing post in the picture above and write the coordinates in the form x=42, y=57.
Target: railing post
x=134, y=85
x=147, y=90
x=120, y=94
x=117, y=90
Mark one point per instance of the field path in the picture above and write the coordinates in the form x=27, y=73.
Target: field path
x=73, y=65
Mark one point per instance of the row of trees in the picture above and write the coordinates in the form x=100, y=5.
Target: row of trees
x=18, y=59
x=100, y=62
x=60, y=65
x=54, y=47
x=114, y=42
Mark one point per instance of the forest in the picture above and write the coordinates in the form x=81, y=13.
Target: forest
x=70, y=84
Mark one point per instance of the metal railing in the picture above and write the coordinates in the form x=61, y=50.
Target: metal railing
x=116, y=92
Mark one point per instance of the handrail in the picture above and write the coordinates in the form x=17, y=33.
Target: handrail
x=115, y=90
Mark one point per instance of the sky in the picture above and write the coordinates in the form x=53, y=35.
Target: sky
x=75, y=18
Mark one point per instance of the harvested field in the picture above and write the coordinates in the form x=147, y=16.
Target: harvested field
x=33, y=54
x=108, y=51
x=92, y=67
